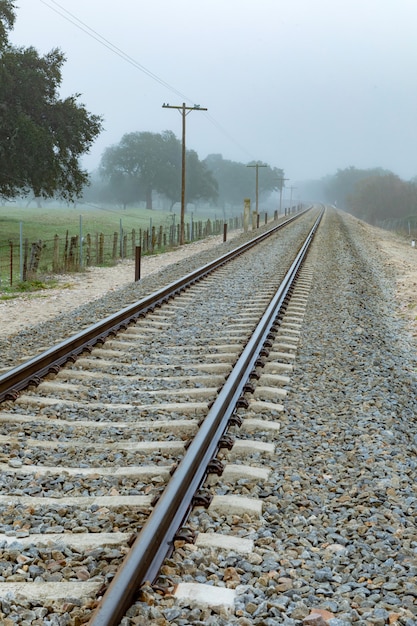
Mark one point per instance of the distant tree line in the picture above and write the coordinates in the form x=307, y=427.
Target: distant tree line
x=373, y=195
x=144, y=164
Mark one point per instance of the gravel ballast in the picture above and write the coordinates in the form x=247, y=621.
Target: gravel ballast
x=338, y=533
x=34, y=338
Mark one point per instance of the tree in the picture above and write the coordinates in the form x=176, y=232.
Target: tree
x=134, y=164
x=122, y=179
x=146, y=162
x=378, y=198
x=41, y=135
x=341, y=185
x=169, y=173
x=201, y=184
x=7, y=20
x=236, y=181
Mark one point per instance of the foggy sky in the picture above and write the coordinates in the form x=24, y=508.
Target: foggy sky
x=306, y=85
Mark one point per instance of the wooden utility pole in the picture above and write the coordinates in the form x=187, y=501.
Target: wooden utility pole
x=184, y=110
x=281, y=180
x=291, y=197
x=257, y=165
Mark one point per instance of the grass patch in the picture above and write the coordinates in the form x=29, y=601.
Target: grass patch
x=30, y=286
x=8, y=296
x=34, y=285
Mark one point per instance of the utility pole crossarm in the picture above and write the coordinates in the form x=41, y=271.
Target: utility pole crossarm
x=196, y=107
x=184, y=110
x=282, y=180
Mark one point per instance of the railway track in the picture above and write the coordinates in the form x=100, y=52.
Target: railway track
x=88, y=452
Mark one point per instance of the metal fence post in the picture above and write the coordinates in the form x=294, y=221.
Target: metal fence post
x=138, y=251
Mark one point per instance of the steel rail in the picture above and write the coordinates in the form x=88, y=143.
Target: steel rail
x=51, y=360
x=157, y=536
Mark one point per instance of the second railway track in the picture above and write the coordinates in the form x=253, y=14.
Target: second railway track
x=88, y=452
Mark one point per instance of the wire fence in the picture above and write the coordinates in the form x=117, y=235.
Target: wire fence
x=405, y=225
x=23, y=260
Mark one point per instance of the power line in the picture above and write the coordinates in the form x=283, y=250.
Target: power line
x=75, y=21
x=226, y=134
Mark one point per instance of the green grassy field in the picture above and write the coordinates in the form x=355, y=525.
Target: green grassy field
x=45, y=223
x=51, y=236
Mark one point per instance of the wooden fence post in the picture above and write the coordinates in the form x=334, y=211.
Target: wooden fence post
x=101, y=250
x=35, y=258
x=66, y=252
x=153, y=238
x=137, y=263
x=25, y=260
x=72, y=256
x=55, y=260
x=145, y=244
x=88, y=251
x=11, y=262
x=115, y=238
